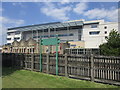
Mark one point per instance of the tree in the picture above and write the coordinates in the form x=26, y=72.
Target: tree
x=112, y=47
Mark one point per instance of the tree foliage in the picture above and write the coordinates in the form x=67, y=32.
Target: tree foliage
x=112, y=47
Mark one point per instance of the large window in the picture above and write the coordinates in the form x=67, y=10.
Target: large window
x=94, y=32
x=9, y=33
x=16, y=38
x=8, y=38
x=17, y=32
x=94, y=26
x=71, y=34
x=59, y=35
x=8, y=43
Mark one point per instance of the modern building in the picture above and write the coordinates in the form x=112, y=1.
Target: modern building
x=90, y=34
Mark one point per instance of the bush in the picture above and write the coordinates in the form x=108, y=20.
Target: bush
x=112, y=47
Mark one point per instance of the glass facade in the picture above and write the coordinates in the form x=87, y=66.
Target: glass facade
x=59, y=35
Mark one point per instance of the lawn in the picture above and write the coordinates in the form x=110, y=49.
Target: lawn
x=29, y=79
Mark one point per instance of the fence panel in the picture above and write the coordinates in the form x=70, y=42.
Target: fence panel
x=61, y=65
x=36, y=62
x=52, y=64
x=95, y=68
x=27, y=61
x=107, y=68
x=79, y=66
x=44, y=63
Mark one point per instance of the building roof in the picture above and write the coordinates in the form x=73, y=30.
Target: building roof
x=47, y=25
x=55, y=25
x=33, y=25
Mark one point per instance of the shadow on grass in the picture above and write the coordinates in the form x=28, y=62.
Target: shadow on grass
x=8, y=70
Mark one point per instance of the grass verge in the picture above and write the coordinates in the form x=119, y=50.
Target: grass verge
x=29, y=79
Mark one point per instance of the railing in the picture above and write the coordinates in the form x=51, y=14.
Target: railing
x=95, y=68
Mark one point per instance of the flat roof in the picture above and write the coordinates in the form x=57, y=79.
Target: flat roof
x=47, y=25
x=33, y=25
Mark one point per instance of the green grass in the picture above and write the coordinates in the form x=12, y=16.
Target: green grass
x=29, y=79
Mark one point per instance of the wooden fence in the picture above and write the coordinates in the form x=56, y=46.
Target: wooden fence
x=95, y=68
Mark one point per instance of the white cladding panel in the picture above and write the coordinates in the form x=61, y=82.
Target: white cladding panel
x=12, y=36
x=93, y=41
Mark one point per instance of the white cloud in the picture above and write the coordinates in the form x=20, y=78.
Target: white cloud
x=4, y=24
x=1, y=9
x=18, y=4
x=110, y=14
x=65, y=1
x=57, y=13
x=80, y=7
x=5, y=20
x=97, y=13
x=62, y=12
x=3, y=35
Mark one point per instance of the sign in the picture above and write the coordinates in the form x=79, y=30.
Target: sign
x=50, y=41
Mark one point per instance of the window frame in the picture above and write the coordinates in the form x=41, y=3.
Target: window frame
x=94, y=25
x=8, y=38
x=94, y=32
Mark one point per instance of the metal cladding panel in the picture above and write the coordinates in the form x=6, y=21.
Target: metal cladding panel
x=79, y=23
x=65, y=24
x=41, y=27
x=54, y=26
x=72, y=24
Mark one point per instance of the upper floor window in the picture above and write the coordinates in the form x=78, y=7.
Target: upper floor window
x=10, y=33
x=105, y=27
x=16, y=38
x=59, y=35
x=94, y=32
x=105, y=32
x=52, y=35
x=71, y=34
x=94, y=26
x=106, y=37
x=17, y=32
x=8, y=38
x=45, y=36
x=8, y=43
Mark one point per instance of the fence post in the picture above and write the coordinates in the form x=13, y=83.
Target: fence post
x=66, y=62
x=32, y=62
x=25, y=61
x=21, y=61
x=47, y=63
x=12, y=59
x=92, y=67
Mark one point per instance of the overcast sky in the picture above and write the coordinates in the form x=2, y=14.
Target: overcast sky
x=16, y=14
